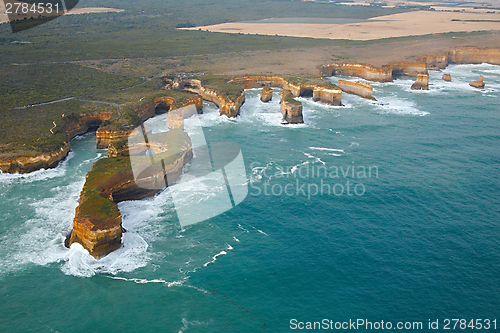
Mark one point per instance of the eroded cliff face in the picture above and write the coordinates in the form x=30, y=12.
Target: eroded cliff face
x=266, y=94
x=363, y=89
x=367, y=72
x=435, y=61
x=26, y=164
x=226, y=106
x=421, y=83
x=468, y=55
x=104, y=136
x=291, y=109
x=474, y=56
x=97, y=225
x=322, y=92
x=409, y=68
x=85, y=123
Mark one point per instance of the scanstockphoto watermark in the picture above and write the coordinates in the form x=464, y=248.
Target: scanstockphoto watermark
x=312, y=180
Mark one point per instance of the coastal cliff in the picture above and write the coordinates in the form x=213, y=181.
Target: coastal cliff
x=409, y=68
x=71, y=128
x=291, y=109
x=216, y=90
x=371, y=73
x=469, y=55
x=363, y=89
x=364, y=71
x=97, y=223
x=25, y=164
x=320, y=89
x=106, y=135
x=227, y=107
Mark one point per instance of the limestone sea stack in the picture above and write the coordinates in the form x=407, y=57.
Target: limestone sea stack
x=447, y=77
x=291, y=109
x=422, y=82
x=322, y=90
x=363, y=89
x=266, y=94
x=479, y=83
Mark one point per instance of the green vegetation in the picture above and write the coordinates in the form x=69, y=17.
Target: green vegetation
x=41, y=83
x=148, y=29
x=27, y=131
x=221, y=84
x=287, y=96
x=111, y=173
x=297, y=80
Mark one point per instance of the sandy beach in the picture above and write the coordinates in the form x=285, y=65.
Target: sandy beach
x=396, y=25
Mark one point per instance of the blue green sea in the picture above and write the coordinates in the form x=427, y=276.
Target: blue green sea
x=376, y=211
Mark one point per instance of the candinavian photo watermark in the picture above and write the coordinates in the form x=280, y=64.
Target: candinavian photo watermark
x=311, y=180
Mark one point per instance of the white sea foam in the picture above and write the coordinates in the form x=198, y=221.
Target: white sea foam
x=316, y=159
x=394, y=105
x=39, y=175
x=145, y=281
x=328, y=149
x=215, y=258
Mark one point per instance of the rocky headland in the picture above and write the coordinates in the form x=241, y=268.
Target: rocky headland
x=97, y=225
x=360, y=88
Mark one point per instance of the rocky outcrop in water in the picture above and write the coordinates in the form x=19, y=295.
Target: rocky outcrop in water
x=291, y=109
x=319, y=89
x=97, y=225
x=266, y=94
x=479, y=83
x=363, y=89
x=227, y=107
x=422, y=82
x=446, y=77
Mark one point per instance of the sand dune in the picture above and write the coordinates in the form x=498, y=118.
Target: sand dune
x=396, y=25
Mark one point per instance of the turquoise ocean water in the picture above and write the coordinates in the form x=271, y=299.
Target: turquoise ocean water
x=412, y=235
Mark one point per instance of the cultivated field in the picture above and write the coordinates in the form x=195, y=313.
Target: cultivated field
x=388, y=26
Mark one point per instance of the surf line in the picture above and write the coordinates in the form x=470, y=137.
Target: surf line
x=229, y=247
x=144, y=281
